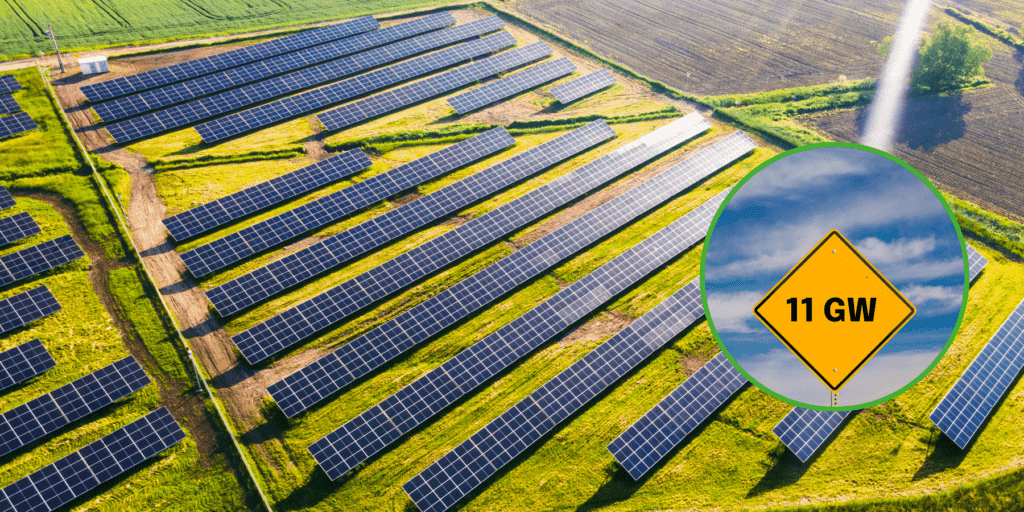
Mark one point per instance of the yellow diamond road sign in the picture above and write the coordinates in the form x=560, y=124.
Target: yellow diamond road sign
x=834, y=310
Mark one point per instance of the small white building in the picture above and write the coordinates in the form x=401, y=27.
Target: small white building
x=93, y=65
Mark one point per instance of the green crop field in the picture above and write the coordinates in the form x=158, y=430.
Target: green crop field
x=106, y=308
x=103, y=23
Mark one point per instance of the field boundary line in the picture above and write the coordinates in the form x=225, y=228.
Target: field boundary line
x=201, y=380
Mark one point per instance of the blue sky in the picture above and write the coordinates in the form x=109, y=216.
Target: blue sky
x=885, y=211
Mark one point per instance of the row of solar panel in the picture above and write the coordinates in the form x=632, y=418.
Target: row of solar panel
x=6, y=199
x=329, y=374
x=344, y=202
x=582, y=86
x=27, y=307
x=804, y=431
x=8, y=104
x=293, y=325
x=205, y=217
x=17, y=227
x=23, y=362
x=38, y=258
x=15, y=124
x=360, y=438
x=196, y=67
x=511, y=85
x=183, y=91
x=59, y=483
x=241, y=97
x=9, y=84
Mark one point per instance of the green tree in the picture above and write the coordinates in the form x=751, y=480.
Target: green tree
x=949, y=60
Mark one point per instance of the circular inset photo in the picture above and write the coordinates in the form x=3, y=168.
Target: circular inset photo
x=834, y=276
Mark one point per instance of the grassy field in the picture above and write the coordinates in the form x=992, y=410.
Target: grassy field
x=85, y=336
x=103, y=23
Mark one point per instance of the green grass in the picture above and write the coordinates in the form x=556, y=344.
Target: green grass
x=95, y=24
x=46, y=150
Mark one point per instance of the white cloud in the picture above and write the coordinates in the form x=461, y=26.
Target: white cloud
x=902, y=249
x=794, y=173
x=733, y=311
x=934, y=300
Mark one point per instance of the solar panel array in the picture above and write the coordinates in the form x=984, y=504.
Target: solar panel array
x=805, y=431
x=454, y=475
x=238, y=294
x=511, y=85
x=6, y=199
x=293, y=325
x=655, y=434
x=231, y=78
x=17, y=227
x=24, y=362
x=15, y=124
x=67, y=404
x=8, y=84
x=27, y=307
x=205, y=217
x=396, y=99
x=975, y=394
x=229, y=59
x=8, y=104
x=71, y=477
x=271, y=113
x=582, y=86
x=368, y=433
x=38, y=258
x=300, y=390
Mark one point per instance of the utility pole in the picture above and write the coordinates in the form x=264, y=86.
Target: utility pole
x=49, y=31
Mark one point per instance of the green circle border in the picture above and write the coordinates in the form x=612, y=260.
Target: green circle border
x=762, y=166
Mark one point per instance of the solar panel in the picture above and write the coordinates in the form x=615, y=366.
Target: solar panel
x=16, y=123
x=582, y=86
x=288, y=328
x=6, y=199
x=17, y=227
x=511, y=85
x=354, y=442
x=648, y=440
x=234, y=77
x=396, y=99
x=23, y=362
x=67, y=404
x=71, y=477
x=8, y=84
x=471, y=463
x=805, y=431
x=975, y=394
x=38, y=258
x=268, y=233
x=229, y=59
x=205, y=217
x=8, y=104
x=300, y=390
x=244, y=96
x=26, y=307
x=241, y=293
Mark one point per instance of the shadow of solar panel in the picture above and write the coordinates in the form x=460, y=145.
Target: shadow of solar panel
x=354, y=442
x=976, y=393
x=8, y=104
x=38, y=259
x=27, y=307
x=445, y=482
x=511, y=85
x=71, y=477
x=183, y=91
x=23, y=362
x=8, y=84
x=329, y=374
x=244, y=96
x=293, y=325
x=67, y=404
x=648, y=440
x=805, y=431
x=235, y=295
x=6, y=199
x=582, y=86
x=401, y=97
x=203, y=218
x=17, y=227
x=229, y=59
x=15, y=124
